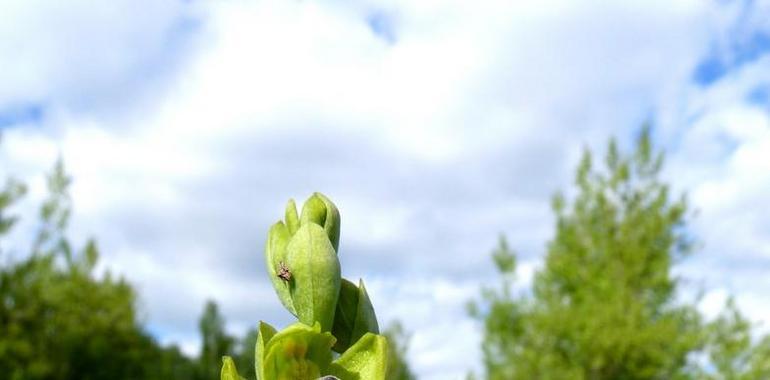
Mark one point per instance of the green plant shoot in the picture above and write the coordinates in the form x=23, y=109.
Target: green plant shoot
x=301, y=256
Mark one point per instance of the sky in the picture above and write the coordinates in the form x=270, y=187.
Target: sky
x=435, y=126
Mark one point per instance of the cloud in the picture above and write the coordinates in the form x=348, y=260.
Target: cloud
x=723, y=161
x=100, y=59
x=435, y=126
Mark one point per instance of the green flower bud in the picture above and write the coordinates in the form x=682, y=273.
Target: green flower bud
x=366, y=359
x=354, y=315
x=298, y=352
x=301, y=259
x=228, y=370
x=315, y=273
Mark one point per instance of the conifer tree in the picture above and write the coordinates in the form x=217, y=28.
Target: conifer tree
x=604, y=305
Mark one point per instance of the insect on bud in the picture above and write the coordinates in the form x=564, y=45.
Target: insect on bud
x=283, y=272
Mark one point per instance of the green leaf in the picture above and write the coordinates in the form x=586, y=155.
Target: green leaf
x=345, y=315
x=275, y=255
x=228, y=369
x=367, y=359
x=315, y=275
x=354, y=315
x=298, y=352
x=266, y=332
x=366, y=320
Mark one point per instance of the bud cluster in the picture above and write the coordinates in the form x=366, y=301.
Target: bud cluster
x=333, y=313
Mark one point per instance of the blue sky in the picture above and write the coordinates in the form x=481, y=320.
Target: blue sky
x=435, y=126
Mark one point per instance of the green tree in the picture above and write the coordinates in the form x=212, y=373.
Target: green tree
x=58, y=320
x=398, y=340
x=731, y=350
x=10, y=193
x=603, y=305
x=244, y=354
x=215, y=341
x=173, y=364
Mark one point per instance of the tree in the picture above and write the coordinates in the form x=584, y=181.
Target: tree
x=244, y=354
x=10, y=193
x=58, y=320
x=603, y=305
x=731, y=350
x=215, y=342
x=398, y=340
x=173, y=364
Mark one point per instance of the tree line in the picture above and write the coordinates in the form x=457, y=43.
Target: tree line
x=605, y=304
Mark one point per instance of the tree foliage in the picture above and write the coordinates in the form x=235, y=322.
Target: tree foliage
x=245, y=352
x=731, y=350
x=215, y=341
x=58, y=319
x=398, y=339
x=603, y=305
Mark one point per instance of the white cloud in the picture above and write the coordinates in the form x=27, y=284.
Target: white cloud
x=723, y=161
x=444, y=342
x=81, y=54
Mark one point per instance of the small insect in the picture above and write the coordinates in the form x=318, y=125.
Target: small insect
x=283, y=272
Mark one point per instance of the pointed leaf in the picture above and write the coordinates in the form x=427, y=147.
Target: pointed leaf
x=366, y=320
x=228, y=370
x=266, y=332
x=345, y=315
x=354, y=315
